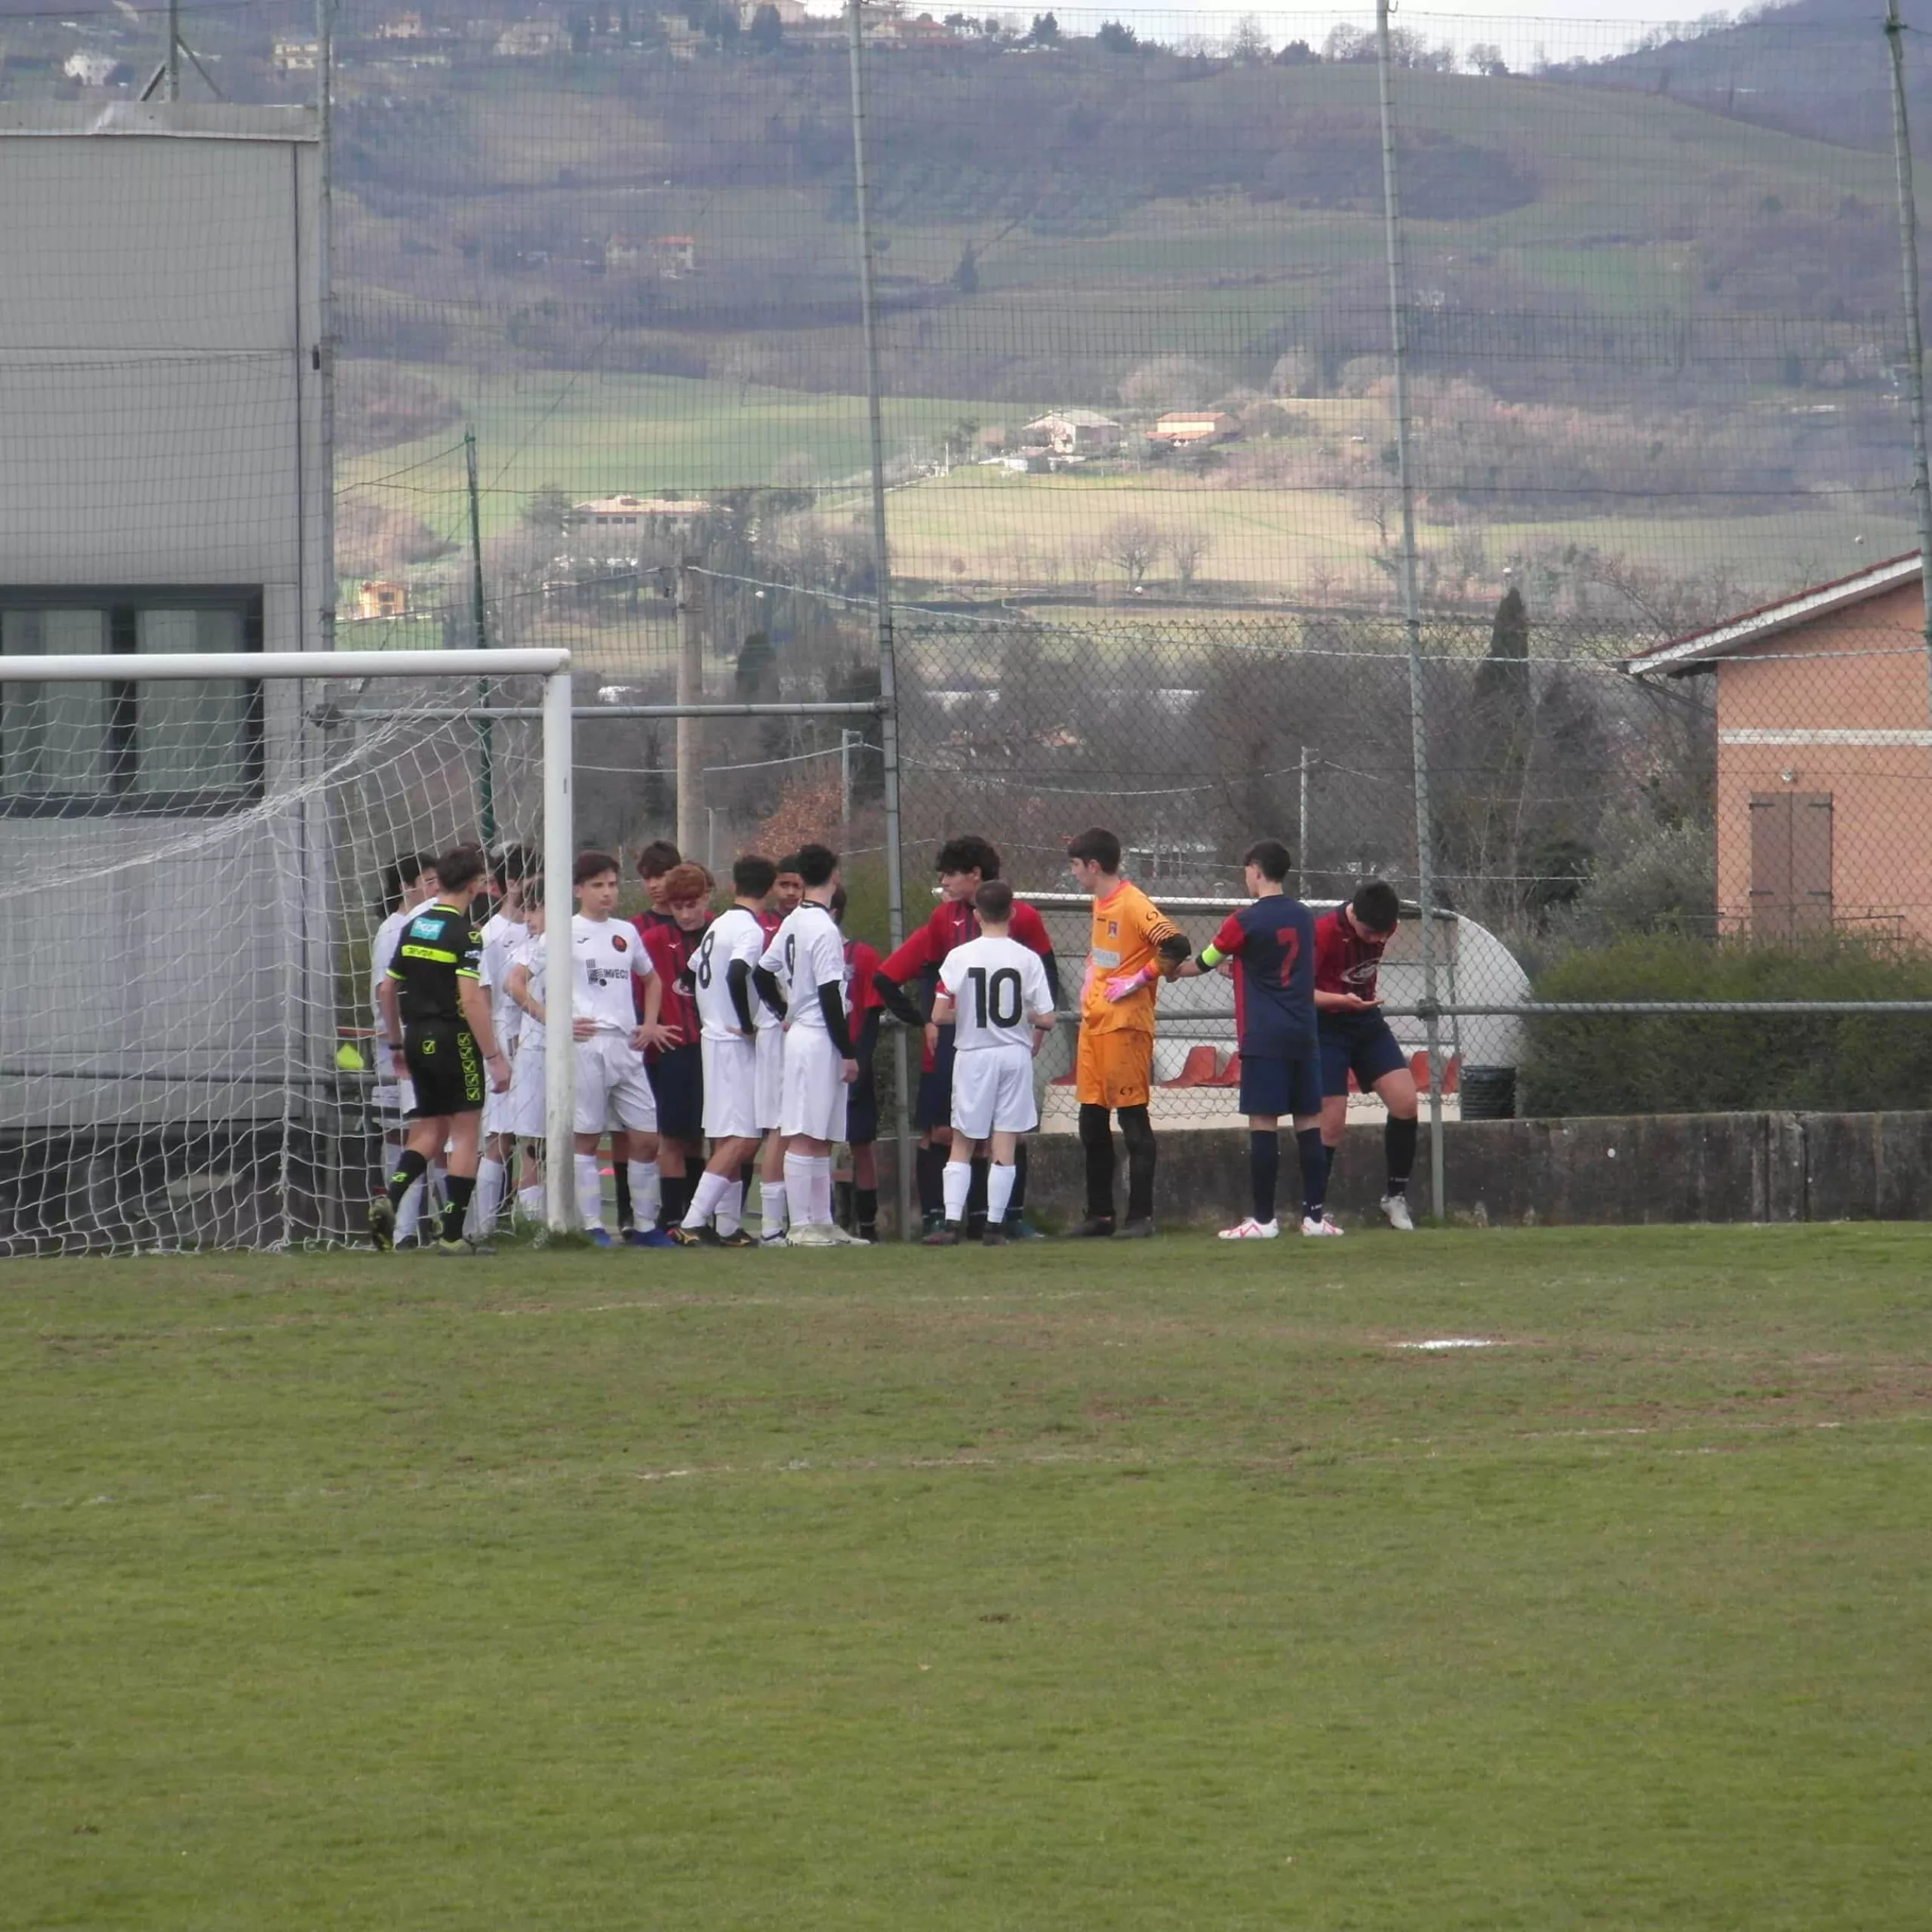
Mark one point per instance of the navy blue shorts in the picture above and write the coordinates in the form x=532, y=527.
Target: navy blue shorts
x=1272, y=1085
x=935, y=1103
x=1362, y=1044
x=861, y=1096
x=676, y=1078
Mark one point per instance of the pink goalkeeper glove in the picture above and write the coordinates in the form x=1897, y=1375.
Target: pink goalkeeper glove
x=1124, y=984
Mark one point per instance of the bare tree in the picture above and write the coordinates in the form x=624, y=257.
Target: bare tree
x=1132, y=543
x=1376, y=506
x=1188, y=544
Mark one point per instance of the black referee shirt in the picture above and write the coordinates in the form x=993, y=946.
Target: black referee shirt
x=439, y=947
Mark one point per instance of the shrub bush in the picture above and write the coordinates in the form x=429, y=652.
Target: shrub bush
x=1731, y=1063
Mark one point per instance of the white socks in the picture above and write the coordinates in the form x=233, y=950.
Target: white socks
x=530, y=1201
x=731, y=1206
x=958, y=1181
x=647, y=1194
x=487, y=1198
x=705, y=1198
x=799, y=1188
x=771, y=1208
x=999, y=1193
x=589, y=1192
x=808, y=1182
x=411, y=1213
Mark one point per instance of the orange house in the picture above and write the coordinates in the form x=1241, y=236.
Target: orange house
x=1824, y=756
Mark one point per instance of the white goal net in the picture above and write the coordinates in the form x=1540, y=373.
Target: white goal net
x=195, y=856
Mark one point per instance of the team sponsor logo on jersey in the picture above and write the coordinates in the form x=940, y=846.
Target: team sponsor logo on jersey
x=426, y=928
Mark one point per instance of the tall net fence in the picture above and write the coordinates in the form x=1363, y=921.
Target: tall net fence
x=603, y=378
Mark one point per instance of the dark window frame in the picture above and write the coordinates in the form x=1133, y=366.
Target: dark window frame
x=124, y=604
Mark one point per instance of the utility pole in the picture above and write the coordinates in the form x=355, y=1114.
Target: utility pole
x=888, y=716
x=690, y=760
x=486, y=776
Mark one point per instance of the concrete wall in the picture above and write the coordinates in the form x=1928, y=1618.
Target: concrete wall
x=1660, y=1168
x=159, y=318
x=1841, y=704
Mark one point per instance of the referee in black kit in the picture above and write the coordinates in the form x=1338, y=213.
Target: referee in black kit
x=449, y=1042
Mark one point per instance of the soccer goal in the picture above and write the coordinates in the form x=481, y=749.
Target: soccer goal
x=197, y=848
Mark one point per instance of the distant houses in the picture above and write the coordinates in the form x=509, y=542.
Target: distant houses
x=637, y=514
x=1190, y=429
x=531, y=40
x=1077, y=433
x=668, y=256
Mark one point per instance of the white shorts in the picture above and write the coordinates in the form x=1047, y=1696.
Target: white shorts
x=730, y=1089
x=394, y=1101
x=814, y=1104
x=993, y=1092
x=612, y=1090
x=525, y=1104
x=496, y=1106
x=769, y=1099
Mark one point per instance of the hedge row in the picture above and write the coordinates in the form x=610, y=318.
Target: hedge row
x=1617, y=1064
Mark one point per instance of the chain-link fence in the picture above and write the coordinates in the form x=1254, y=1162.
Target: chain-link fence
x=1174, y=540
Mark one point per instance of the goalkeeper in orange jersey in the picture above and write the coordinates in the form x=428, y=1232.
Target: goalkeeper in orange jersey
x=1132, y=945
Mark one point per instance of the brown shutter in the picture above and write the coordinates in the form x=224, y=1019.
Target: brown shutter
x=1770, y=865
x=1811, y=861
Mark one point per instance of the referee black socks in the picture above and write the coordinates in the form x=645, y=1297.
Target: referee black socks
x=409, y=1170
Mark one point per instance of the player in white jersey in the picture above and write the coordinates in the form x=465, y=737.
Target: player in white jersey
x=802, y=975
x=503, y=933
x=995, y=992
x=523, y=985
x=412, y=888
x=727, y=1008
x=612, y=1088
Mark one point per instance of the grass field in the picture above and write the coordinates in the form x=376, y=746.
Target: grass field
x=1054, y=1590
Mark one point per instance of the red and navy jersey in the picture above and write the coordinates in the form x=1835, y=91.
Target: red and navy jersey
x=915, y=965
x=953, y=922
x=1345, y=961
x=670, y=947
x=861, y=969
x=1272, y=945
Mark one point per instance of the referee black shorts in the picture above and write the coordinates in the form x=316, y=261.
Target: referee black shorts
x=446, y=1068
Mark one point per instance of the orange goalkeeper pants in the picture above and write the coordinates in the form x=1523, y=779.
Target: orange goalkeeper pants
x=1114, y=1068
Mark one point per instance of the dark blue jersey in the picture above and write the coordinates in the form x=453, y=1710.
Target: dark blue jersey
x=1272, y=942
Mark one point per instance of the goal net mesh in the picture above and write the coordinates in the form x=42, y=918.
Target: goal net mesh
x=191, y=879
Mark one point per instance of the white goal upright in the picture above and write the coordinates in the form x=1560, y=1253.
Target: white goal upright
x=194, y=847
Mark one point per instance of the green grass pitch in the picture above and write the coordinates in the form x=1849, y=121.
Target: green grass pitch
x=1066, y=1588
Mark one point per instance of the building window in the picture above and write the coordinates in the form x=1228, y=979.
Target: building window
x=120, y=745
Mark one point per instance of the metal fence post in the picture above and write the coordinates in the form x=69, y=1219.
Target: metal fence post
x=690, y=757
x=888, y=718
x=1915, y=340
x=1411, y=618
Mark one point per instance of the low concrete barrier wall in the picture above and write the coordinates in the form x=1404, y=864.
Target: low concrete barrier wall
x=1650, y=1167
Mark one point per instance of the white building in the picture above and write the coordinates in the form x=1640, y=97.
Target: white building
x=161, y=489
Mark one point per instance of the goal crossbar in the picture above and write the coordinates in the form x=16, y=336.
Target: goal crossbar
x=120, y=669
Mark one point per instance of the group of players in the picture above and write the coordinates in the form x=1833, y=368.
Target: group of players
x=755, y=1030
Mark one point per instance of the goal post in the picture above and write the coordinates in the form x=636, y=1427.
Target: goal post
x=193, y=851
